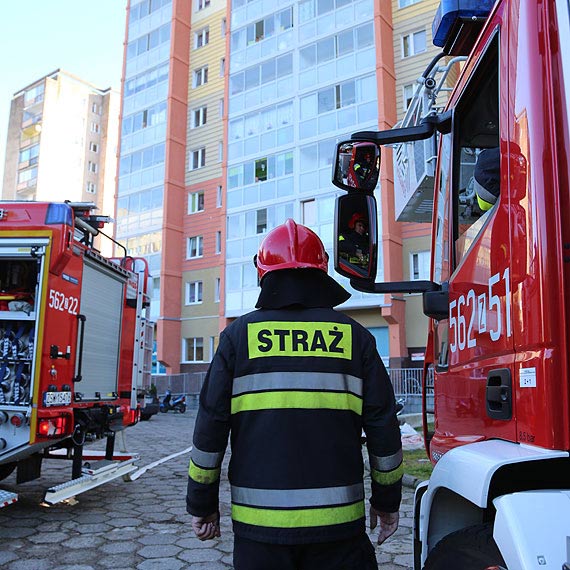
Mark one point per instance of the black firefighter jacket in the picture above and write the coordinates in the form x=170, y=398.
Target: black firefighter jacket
x=295, y=387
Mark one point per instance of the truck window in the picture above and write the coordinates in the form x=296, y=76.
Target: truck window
x=476, y=136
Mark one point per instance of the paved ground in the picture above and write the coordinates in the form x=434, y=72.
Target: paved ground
x=139, y=525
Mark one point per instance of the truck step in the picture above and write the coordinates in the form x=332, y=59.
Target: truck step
x=94, y=475
x=7, y=498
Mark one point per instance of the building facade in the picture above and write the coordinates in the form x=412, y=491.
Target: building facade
x=229, y=123
x=62, y=141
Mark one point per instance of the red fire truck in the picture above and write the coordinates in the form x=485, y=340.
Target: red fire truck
x=71, y=345
x=498, y=300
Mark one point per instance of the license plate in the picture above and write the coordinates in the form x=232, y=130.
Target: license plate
x=57, y=398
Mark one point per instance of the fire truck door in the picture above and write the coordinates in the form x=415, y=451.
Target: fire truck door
x=474, y=384
x=102, y=294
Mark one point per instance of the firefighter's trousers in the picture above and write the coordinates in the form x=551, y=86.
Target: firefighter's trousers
x=352, y=554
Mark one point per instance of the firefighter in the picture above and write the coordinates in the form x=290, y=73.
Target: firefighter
x=362, y=166
x=486, y=178
x=295, y=382
x=354, y=243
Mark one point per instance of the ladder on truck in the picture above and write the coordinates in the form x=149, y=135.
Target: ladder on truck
x=414, y=162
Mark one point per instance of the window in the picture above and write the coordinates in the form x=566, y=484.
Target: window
x=92, y=167
x=199, y=116
x=201, y=4
x=220, y=151
x=91, y=187
x=27, y=175
x=218, y=242
x=219, y=197
x=95, y=108
x=222, y=66
x=194, y=349
x=198, y=158
x=194, y=247
x=217, y=289
x=476, y=153
x=95, y=127
x=29, y=155
x=201, y=38
x=201, y=76
x=224, y=27
x=309, y=212
x=408, y=92
x=413, y=44
x=261, y=221
x=261, y=170
x=221, y=108
x=194, y=292
x=93, y=147
x=404, y=3
x=196, y=202
x=419, y=265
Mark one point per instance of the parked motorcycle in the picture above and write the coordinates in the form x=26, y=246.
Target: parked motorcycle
x=175, y=403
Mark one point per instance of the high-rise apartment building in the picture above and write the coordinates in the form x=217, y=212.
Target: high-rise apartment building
x=150, y=190
x=62, y=141
x=225, y=140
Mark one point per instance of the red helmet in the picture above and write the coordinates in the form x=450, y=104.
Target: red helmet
x=291, y=246
x=357, y=218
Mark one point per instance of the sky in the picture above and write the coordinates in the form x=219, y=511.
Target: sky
x=83, y=37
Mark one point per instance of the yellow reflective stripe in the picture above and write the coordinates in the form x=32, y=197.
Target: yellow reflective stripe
x=321, y=339
x=298, y=518
x=205, y=476
x=387, y=477
x=297, y=400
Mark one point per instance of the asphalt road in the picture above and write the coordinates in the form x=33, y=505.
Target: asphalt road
x=141, y=524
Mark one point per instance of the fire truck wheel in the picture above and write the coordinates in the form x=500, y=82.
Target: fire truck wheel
x=6, y=469
x=471, y=548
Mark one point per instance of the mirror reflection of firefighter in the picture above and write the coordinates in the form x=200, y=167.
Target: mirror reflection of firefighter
x=354, y=244
x=361, y=167
x=294, y=382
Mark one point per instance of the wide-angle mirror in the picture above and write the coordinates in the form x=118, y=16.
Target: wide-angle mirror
x=356, y=165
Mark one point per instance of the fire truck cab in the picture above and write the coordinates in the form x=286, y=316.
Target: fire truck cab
x=499, y=330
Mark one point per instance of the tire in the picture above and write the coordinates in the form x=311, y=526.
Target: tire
x=471, y=548
x=182, y=408
x=6, y=469
x=145, y=417
x=163, y=409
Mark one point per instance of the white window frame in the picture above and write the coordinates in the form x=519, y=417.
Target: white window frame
x=202, y=4
x=93, y=146
x=91, y=188
x=196, y=202
x=197, y=159
x=200, y=77
x=194, y=292
x=406, y=3
x=95, y=128
x=217, y=289
x=218, y=242
x=219, y=196
x=202, y=38
x=420, y=265
x=195, y=244
x=199, y=116
x=405, y=99
x=92, y=167
x=185, y=344
x=411, y=43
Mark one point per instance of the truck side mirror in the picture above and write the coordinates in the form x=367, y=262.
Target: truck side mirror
x=356, y=166
x=356, y=236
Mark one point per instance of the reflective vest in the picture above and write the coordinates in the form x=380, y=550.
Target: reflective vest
x=295, y=388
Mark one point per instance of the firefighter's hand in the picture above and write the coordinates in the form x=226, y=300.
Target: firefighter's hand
x=388, y=523
x=208, y=527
